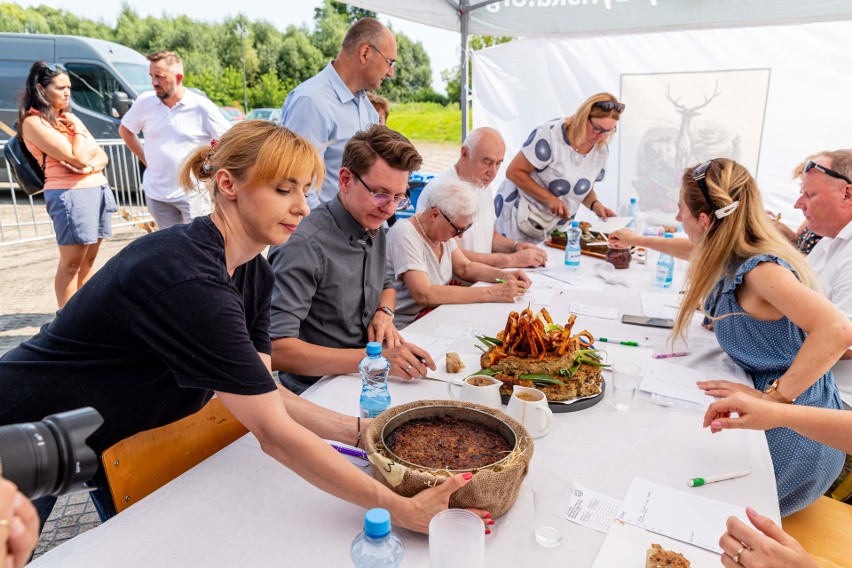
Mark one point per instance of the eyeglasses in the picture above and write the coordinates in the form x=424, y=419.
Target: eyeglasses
x=55, y=68
x=390, y=62
x=381, y=200
x=598, y=130
x=609, y=106
x=458, y=231
x=811, y=165
x=698, y=175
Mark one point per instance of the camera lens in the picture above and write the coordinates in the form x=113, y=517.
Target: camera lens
x=50, y=457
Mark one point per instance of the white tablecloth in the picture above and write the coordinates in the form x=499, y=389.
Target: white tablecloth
x=241, y=508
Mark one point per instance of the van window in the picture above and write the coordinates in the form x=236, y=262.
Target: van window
x=92, y=86
x=13, y=76
x=136, y=75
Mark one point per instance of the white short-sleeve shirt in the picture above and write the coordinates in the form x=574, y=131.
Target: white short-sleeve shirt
x=170, y=135
x=481, y=233
x=407, y=250
x=831, y=260
x=560, y=169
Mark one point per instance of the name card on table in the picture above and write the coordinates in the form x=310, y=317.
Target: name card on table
x=674, y=381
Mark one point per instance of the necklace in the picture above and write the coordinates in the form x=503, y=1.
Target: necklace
x=423, y=233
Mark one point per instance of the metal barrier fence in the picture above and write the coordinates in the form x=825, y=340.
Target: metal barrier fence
x=24, y=218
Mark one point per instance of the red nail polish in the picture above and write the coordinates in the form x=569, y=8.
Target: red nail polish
x=487, y=531
x=490, y=522
x=487, y=515
x=467, y=475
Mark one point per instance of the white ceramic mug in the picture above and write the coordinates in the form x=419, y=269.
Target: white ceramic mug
x=529, y=407
x=479, y=389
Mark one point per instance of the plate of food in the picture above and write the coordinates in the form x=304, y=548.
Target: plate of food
x=533, y=351
x=590, y=241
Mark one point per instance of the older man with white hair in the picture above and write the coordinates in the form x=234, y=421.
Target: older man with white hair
x=481, y=155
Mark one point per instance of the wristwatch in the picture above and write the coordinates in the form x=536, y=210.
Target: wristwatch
x=386, y=309
x=772, y=390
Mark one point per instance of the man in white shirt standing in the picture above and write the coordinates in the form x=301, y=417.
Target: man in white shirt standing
x=174, y=122
x=481, y=155
x=826, y=201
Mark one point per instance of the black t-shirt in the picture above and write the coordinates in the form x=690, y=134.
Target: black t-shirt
x=148, y=338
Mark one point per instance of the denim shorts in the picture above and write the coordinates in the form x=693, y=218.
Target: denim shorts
x=81, y=216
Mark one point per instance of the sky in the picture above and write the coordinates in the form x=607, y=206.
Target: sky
x=441, y=45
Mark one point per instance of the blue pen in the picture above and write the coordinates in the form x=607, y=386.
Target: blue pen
x=354, y=452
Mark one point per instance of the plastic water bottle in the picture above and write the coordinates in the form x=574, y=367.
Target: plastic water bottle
x=377, y=546
x=572, y=247
x=665, y=268
x=374, y=369
x=630, y=209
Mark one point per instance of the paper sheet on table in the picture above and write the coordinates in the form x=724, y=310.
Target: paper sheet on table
x=610, y=224
x=592, y=509
x=458, y=331
x=538, y=296
x=594, y=311
x=626, y=545
x=616, y=353
x=674, y=381
x=436, y=346
x=681, y=515
x=657, y=305
x=560, y=279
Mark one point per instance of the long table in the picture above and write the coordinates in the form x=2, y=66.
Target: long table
x=242, y=508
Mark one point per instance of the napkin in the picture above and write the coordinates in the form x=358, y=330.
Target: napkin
x=607, y=272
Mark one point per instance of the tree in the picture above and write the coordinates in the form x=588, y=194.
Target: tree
x=412, y=71
x=351, y=13
x=452, y=77
x=298, y=58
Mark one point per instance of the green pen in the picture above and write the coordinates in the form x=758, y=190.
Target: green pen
x=619, y=342
x=499, y=281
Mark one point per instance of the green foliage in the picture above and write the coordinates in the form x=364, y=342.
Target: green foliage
x=426, y=121
x=351, y=13
x=212, y=52
x=452, y=77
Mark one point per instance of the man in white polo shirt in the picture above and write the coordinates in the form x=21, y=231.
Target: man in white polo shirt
x=481, y=155
x=174, y=122
x=826, y=201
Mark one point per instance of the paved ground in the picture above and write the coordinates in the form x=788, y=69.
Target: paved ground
x=27, y=302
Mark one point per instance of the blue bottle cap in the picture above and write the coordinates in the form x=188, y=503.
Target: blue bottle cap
x=632, y=200
x=669, y=236
x=377, y=523
x=575, y=223
x=374, y=348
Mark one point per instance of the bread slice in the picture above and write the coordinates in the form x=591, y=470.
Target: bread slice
x=658, y=557
x=454, y=363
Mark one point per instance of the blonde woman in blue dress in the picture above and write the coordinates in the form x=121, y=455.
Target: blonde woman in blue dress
x=760, y=294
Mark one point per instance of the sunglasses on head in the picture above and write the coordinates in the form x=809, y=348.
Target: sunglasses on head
x=811, y=165
x=55, y=68
x=698, y=175
x=609, y=106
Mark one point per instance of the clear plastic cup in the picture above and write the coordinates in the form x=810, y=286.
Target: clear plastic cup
x=551, y=493
x=625, y=382
x=456, y=540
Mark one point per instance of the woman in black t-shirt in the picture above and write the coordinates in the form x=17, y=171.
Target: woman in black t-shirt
x=184, y=312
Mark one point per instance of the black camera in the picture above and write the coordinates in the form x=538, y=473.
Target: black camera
x=50, y=457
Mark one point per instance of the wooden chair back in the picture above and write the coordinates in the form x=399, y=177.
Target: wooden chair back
x=140, y=464
x=823, y=529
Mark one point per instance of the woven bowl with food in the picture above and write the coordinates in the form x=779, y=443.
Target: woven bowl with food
x=494, y=487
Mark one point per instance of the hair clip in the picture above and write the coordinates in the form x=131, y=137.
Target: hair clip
x=723, y=212
x=206, y=167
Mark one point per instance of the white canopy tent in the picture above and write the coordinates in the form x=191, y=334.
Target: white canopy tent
x=765, y=82
x=596, y=17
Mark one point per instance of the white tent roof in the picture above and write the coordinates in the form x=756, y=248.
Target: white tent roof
x=538, y=17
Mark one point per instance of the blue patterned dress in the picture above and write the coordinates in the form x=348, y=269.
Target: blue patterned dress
x=804, y=469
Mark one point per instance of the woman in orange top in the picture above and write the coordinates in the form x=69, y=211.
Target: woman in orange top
x=77, y=195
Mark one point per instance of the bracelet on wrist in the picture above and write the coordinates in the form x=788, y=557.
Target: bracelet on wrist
x=592, y=206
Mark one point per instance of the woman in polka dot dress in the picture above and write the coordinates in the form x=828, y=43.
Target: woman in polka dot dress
x=759, y=292
x=556, y=171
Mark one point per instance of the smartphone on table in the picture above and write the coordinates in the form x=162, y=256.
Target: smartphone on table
x=647, y=322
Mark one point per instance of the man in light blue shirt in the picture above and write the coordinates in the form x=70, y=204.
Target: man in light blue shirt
x=331, y=106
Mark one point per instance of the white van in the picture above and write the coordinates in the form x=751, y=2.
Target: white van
x=105, y=77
